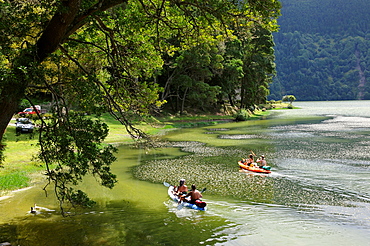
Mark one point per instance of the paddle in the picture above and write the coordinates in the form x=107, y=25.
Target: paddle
x=253, y=153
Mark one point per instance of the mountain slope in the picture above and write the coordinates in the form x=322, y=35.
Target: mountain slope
x=323, y=50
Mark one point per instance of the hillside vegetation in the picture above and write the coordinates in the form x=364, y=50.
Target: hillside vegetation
x=323, y=50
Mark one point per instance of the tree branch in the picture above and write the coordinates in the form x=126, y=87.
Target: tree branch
x=55, y=32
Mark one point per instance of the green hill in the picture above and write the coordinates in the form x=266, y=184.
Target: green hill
x=323, y=50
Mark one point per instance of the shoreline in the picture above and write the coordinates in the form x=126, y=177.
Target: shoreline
x=8, y=194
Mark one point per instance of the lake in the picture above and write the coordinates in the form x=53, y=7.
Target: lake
x=317, y=194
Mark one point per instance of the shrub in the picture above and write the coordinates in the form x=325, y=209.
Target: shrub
x=242, y=115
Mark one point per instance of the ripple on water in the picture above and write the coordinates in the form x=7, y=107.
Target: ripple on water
x=239, y=136
x=218, y=129
x=322, y=187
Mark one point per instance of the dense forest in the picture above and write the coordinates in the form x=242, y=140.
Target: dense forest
x=323, y=50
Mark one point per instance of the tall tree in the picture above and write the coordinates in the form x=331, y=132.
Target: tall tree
x=259, y=67
x=185, y=78
x=230, y=77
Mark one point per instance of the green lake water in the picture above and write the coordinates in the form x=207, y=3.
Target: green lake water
x=317, y=194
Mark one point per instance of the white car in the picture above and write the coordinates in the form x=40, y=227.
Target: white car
x=24, y=125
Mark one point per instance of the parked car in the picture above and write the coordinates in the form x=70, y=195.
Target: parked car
x=30, y=110
x=24, y=125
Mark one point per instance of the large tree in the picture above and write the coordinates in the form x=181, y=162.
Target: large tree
x=99, y=56
x=185, y=78
x=259, y=67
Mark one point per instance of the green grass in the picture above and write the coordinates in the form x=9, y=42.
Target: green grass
x=18, y=165
x=12, y=181
x=173, y=118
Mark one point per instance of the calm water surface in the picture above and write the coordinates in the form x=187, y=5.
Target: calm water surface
x=318, y=193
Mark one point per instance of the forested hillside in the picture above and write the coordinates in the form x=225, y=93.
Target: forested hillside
x=323, y=50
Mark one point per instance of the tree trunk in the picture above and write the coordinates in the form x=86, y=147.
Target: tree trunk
x=231, y=101
x=13, y=90
x=8, y=106
x=183, y=100
x=65, y=22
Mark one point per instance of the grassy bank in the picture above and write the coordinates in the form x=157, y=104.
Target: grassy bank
x=20, y=169
x=19, y=165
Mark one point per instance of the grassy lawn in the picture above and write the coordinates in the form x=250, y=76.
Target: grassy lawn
x=18, y=165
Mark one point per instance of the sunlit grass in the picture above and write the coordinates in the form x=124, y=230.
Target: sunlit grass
x=172, y=118
x=215, y=137
x=18, y=164
x=14, y=180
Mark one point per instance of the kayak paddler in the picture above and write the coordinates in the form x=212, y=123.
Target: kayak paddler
x=250, y=161
x=262, y=161
x=181, y=189
x=194, y=194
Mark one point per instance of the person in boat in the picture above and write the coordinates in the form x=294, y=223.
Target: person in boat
x=194, y=194
x=181, y=189
x=261, y=161
x=250, y=161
